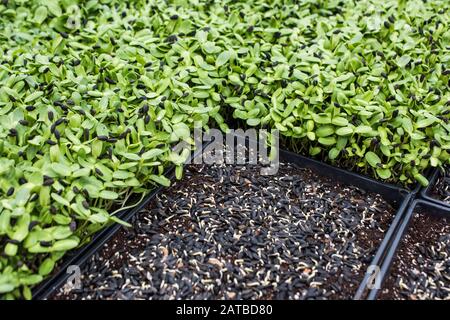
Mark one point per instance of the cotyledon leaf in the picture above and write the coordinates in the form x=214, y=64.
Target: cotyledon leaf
x=373, y=159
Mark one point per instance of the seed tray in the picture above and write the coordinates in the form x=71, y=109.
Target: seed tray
x=290, y=235
x=79, y=256
x=397, y=197
x=425, y=208
x=426, y=193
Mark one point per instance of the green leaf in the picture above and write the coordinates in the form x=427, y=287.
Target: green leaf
x=6, y=287
x=46, y=266
x=162, y=180
x=345, y=131
x=30, y=279
x=210, y=47
x=122, y=175
x=53, y=7
x=66, y=244
x=35, y=95
x=179, y=172
x=11, y=249
x=363, y=129
x=329, y=141
x=373, y=159
x=97, y=147
x=421, y=179
x=121, y=222
x=98, y=218
x=110, y=195
x=324, y=131
x=223, y=58
x=407, y=125
x=131, y=156
x=27, y=293
x=234, y=78
x=403, y=61
x=61, y=169
x=339, y=121
x=321, y=119
x=151, y=154
x=384, y=173
x=40, y=14
x=425, y=122
x=180, y=131
x=333, y=153
x=60, y=199
x=253, y=122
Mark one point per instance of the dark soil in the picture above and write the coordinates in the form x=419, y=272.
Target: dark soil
x=421, y=269
x=441, y=189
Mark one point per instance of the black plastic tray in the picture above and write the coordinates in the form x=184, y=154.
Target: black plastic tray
x=398, y=197
x=426, y=192
x=425, y=207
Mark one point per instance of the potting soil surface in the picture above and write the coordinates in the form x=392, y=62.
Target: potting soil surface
x=228, y=232
x=421, y=269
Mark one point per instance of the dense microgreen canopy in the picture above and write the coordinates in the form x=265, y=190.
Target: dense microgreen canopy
x=94, y=95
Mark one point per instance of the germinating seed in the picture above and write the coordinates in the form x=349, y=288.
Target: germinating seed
x=226, y=232
x=441, y=189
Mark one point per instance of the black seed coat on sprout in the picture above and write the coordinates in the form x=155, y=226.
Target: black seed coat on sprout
x=50, y=142
x=32, y=225
x=45, y=243
x=10, y=192
x=102, y=138
x=86, y=134
x=110, y=81
x=13, y=132
x=85, y=204
x=48, y=181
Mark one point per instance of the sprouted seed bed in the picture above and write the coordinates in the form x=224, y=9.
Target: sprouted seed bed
x=421, y=269
x=227, y=232
x=441, y=189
